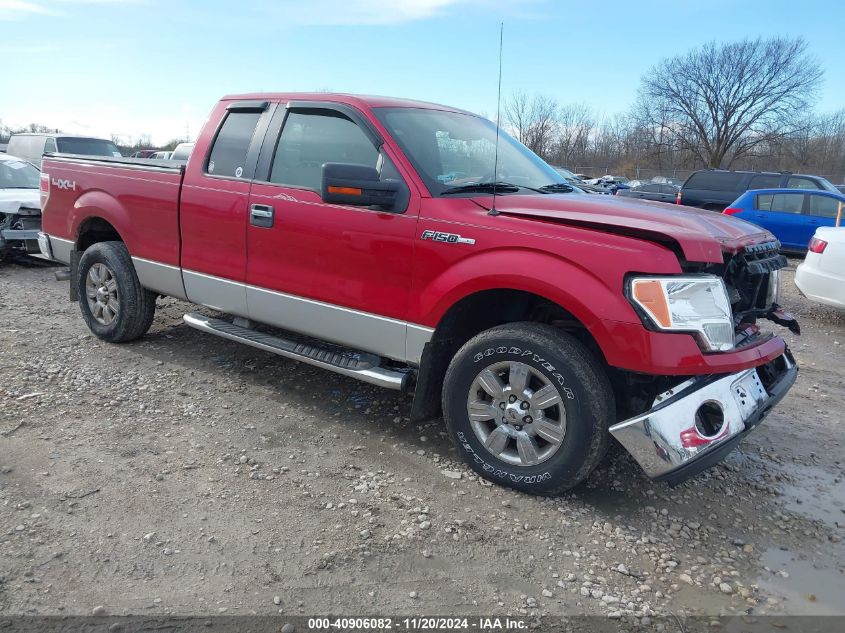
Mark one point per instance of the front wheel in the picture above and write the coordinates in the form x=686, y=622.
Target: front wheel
x=528, y=407
x=113, y=303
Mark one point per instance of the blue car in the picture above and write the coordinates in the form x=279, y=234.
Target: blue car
x=792, y=215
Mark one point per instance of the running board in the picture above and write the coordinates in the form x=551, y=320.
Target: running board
x=358, y=365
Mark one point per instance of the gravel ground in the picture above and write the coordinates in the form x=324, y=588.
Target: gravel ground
x=184, y=474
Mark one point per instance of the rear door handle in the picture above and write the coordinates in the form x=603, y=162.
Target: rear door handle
x=261, y=215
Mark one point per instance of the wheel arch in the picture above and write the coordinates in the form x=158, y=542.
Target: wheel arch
x=481, y=310
x=94, y=229
x=99, y=217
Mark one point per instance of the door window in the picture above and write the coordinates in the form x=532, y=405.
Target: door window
x=310, y=139
x=715, y=181
x=780, y=202
x=765, y=181
x=649, y=189
x=824, y=206
x=50, y=145
x=795, y=182
x=228, y=154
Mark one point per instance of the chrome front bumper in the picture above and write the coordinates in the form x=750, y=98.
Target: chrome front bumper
x=694, y=425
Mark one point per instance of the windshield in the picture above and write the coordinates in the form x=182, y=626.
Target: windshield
x=828, y=186
x=17, y=174
x=87, y=146
x=451, y=149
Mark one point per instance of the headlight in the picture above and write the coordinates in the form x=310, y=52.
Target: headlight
x=696, y=304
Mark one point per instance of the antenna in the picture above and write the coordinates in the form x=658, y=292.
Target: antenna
x=493, y=210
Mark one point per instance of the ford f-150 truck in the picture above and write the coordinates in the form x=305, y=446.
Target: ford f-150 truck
x=408, y=245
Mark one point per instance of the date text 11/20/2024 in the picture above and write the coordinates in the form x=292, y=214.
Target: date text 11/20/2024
x=421, y=623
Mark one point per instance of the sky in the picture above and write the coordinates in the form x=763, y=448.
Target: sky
x=132, y=67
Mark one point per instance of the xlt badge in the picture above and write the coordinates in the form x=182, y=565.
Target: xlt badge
x=449, y=238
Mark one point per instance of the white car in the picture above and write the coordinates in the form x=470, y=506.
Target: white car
x=821, y=276
x=20, y=206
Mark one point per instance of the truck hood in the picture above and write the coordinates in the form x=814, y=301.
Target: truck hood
x=702, y=236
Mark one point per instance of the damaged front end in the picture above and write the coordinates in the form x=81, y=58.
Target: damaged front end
x=752, y=278
x=695, y=424
x=679, y=430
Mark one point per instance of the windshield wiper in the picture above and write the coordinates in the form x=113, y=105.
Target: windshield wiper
x=557, y=187
x=500, y=187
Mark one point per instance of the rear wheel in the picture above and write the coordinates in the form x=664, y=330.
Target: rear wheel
x=113, y=303
x=528, y=407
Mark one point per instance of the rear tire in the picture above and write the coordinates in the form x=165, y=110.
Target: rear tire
x=528, y=406
x=113, y=303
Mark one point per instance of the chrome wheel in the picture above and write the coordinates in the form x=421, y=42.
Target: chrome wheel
x=517, y=413
x=102, y=295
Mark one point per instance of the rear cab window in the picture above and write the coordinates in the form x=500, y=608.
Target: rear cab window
x=228, y=154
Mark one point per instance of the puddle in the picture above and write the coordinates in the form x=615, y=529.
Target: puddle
x=807, y=590
x=814, y=494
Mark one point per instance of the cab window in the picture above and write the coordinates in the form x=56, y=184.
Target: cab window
x=310, y=139
x=228, y=154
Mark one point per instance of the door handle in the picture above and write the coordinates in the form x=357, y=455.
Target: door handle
x=261, y=215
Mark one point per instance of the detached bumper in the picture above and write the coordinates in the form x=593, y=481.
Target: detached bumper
x=694, y=425
x=44, y=245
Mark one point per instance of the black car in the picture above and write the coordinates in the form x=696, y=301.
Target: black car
x=715, y=189
x=651, y=191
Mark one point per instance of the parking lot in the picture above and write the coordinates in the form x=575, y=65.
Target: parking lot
x=183, y=474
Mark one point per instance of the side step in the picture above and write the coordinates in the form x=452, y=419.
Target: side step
x=358, y=365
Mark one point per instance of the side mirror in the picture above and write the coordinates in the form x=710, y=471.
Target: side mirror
x=345, y=183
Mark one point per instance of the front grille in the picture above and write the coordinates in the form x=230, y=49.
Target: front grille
x=747, y=277
x=763, y=258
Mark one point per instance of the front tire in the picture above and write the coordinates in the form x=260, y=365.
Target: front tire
x=528, y=406
x=115, y=306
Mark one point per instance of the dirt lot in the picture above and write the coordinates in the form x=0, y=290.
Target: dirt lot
x=184, y=474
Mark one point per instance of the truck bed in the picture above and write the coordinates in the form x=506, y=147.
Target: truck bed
x=143, y=193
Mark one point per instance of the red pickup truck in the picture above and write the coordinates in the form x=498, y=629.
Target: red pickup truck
x=396, y=242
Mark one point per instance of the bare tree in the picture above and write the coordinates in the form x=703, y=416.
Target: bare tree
x=533, y=119
x=575, y=125
x=721, y=101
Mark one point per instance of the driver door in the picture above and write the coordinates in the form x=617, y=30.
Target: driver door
x=337, y=272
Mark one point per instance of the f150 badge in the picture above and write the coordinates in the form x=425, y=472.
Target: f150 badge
x=449, y=238
x=60, y=183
